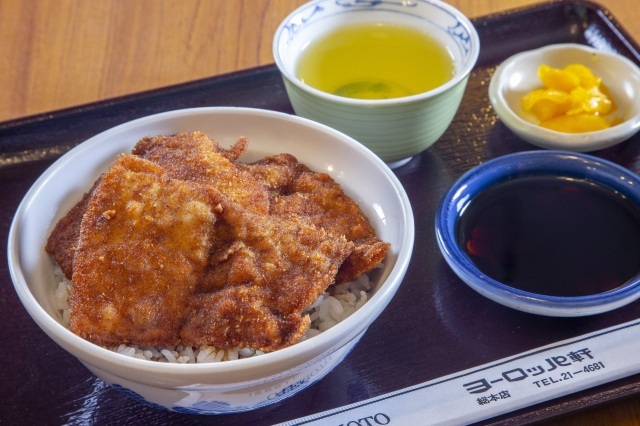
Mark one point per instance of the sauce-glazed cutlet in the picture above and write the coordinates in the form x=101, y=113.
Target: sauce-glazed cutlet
x=297, y=190
x=188, y=156
x=263, y=270
x=144, y=243
x=196, y=157
x=256, y=288
x=63, y=240
x=181, y=243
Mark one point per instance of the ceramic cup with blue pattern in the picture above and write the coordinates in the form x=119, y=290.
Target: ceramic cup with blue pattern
x=398, y=128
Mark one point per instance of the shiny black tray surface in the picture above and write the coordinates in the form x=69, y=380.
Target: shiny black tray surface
x=435, y=326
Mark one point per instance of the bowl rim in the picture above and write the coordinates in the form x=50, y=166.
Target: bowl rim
x=503, y=167
x=552, y=139
x=95, y=353
x=459, y=77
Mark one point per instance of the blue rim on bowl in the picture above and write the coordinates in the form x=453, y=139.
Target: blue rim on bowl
x=527, y=163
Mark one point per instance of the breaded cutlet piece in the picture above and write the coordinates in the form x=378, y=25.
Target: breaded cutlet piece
x=181, y=243
x=297, y=190
x=276, y=173
x=192, y=156
x=263, y=273
x=144, y=243
x=196, y=157
x=63, y=240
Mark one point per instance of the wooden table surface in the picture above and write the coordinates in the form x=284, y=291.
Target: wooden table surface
x=64, y=53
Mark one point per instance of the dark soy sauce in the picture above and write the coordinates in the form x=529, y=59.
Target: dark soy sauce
x=552, y=235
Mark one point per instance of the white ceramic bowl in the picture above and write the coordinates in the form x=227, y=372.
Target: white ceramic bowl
x=516, y=166
x=517, y=76
x=232, y=386
x=395, y=129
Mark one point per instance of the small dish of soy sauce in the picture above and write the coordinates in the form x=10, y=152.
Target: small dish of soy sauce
x=546, y=232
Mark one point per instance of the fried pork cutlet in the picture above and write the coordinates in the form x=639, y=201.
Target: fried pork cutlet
x=144, y=243
x=152, y=268
x=180, y=243
x=236, y=150
x=272, y=270
x=297, y=190
x=63, y=240
x=196, y=157
x=187, y=156
x=215, y=319
x=276, y=173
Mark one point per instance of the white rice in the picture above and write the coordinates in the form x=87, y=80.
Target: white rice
x=327, y=311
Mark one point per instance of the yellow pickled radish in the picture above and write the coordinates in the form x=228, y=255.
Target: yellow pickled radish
x=573, y=100
x=546, y=104
x=553, y=78
x=579, y=123
x=590, y=100
x=587, y=79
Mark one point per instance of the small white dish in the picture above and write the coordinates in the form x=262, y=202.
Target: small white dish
x=517, y=76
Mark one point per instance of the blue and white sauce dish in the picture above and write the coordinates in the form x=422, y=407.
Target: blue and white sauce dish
x=539, y=231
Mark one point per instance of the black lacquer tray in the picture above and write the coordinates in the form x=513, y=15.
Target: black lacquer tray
x=434, y=327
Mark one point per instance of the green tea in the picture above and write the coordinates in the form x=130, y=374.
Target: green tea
x=375, y=61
